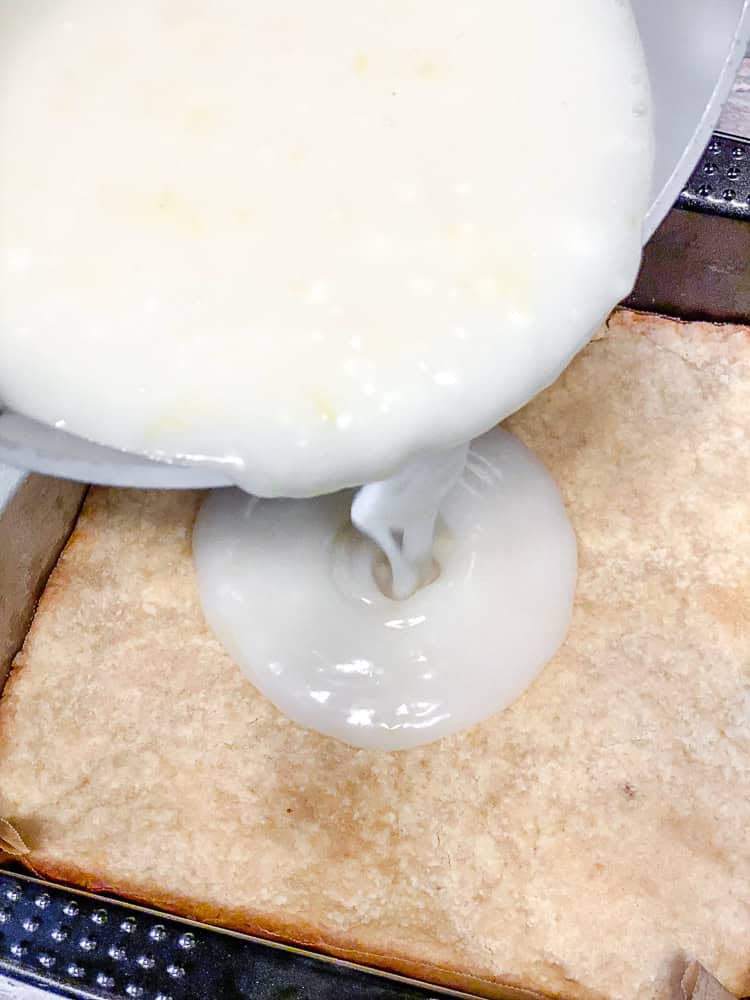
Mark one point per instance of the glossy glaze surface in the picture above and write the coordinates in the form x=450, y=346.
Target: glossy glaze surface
x=292, y=592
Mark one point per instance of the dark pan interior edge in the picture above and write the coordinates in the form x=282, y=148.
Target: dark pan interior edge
x=697, y=265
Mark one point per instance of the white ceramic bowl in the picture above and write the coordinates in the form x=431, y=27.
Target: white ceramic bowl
x=693, y=47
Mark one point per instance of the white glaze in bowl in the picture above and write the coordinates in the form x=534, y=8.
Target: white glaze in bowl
x=693, y=48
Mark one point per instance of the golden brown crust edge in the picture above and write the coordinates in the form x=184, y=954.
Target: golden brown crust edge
x=295, y=935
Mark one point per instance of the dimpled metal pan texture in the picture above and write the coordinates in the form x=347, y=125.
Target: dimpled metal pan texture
x=79, y=945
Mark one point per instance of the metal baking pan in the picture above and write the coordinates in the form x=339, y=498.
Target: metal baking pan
x=697, y=264
x=58, y=941
x=79, y=945
x=62, y=942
